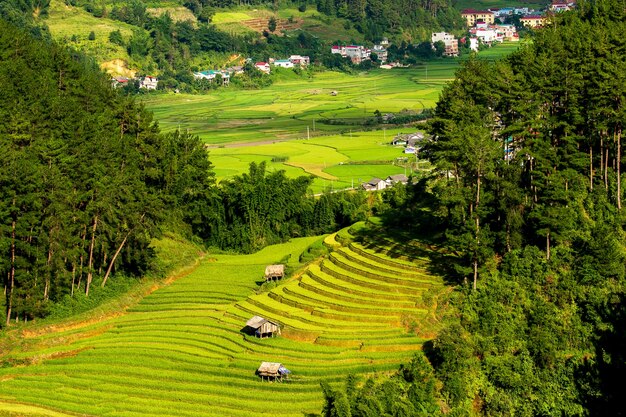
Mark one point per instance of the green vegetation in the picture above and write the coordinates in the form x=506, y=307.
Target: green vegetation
x=527, y=191
x=184, y=345
x=87, y=179
x=285, y=109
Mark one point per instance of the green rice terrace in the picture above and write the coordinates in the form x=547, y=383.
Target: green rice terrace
x=181, y=350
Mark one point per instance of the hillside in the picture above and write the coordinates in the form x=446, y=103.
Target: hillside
x=181, y=350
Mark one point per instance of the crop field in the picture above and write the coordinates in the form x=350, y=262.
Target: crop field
x=181, y=351
x=285, y=109
x=336, y=161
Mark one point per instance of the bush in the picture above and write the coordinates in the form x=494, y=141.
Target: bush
x=302, y=8
x=92, y=36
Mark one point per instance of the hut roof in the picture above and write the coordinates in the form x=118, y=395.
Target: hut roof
x=269, y=368
x=272, y=369
x=256, y=322
x=273, y=270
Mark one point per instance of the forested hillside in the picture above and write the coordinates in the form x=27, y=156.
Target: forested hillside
x=527, y=193
x=171, y=40
x=88, y=180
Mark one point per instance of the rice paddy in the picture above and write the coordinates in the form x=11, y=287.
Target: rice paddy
x=181, y=350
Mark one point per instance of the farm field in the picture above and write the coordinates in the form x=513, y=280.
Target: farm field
x=271, y=124
x=181, y=351
x=336, y=161
x=285, y=109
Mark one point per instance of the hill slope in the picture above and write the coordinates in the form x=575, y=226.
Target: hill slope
x=180, y=351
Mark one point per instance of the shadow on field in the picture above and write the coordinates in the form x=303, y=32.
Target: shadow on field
x=402, y=244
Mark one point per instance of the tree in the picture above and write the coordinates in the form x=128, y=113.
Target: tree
x=271, y=24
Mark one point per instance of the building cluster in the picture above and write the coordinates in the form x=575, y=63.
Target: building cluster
x=528, y=17
x=148, y=82
x=360, y=53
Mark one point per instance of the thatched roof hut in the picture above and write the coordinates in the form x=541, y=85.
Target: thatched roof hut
x=272, y=370
x=274, y=272
x=263, y=327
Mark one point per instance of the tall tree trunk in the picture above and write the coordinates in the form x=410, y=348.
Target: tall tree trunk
x=548, y=245
x=606, y=170
x=602, y=155
x=618, y=168
x=73, y=278
x=90, y=263
x=117, y=252
x=591, y=168
x=11, y=274
x=82, y=257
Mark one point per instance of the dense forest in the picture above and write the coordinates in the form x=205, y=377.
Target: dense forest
x=527, y=195
x=88, y=180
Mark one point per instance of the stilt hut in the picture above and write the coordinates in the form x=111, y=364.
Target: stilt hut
x=274, y=272
x=263, y=327
x=272, y=371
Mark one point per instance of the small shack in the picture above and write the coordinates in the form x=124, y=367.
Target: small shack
x=273, y=371
x=274, y=272
x=263, y=327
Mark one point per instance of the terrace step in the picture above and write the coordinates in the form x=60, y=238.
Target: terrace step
x=309, y=283
x=339, y=284
x=336, y=271
x=417, y=265
x=341, y=261
x=374, y=263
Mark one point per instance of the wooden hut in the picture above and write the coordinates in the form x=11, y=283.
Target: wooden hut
x=272, y=371
x=274, y=272
x=263, y=327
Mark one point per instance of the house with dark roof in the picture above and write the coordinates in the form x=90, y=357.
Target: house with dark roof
x=375, y=184
x=398, y=178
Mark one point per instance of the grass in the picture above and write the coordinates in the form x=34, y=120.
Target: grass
x=67, y=21
x=181, y=352
x=285, y=109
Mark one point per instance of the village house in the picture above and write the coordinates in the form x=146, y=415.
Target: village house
x=263, y=327
x=561, y=6
x=299, y=60
x=283, y=63
x=394, y=179
x=375, y=184
x=117, y=82
x=533, y=21
x=472, y=16
x=487, y=36
x=410, y=139
x=211, y=75
x=381, y=52
x=356, y=53
x=264, y=67
x=236, y=70
x=273, y=371
x=508, y=32
x=451, y=43
x=473, y=44
x=149, y=82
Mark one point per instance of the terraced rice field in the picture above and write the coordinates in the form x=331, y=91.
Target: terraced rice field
x=181, y=352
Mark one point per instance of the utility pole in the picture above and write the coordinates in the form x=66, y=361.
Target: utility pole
x=308, y=135
x=314, y=125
